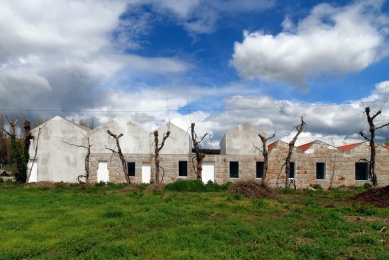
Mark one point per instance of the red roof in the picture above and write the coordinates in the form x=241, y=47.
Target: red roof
x=271, y=145
x=348, y=146
x=387, y=146
x=304, y=147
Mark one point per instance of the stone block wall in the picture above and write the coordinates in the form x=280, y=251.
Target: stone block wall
x=340, y=166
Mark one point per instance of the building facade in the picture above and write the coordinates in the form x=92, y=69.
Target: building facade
x=63, y=147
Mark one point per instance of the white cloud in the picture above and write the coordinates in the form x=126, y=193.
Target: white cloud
x=330, y=40
x=201, y=16
x=53, y=54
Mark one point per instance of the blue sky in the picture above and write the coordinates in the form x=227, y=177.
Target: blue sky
x=265, y=62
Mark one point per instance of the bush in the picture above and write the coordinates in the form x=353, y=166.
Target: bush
x=185, y=185
x=196, y=186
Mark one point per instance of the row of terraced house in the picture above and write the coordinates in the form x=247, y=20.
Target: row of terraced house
x=62, y=148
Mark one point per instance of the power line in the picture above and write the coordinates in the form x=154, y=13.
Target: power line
x=168, y=110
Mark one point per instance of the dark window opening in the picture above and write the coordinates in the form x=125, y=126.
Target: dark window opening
x=361, y=171
x=234, y=169
x=259, y=169
x=320, y=170
x=292, y=173
x=131, y=168
x=183, y=168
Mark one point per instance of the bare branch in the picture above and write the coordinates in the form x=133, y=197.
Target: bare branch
x=119, y=152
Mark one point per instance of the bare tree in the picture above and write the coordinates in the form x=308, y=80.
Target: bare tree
x=91, y=123
x=86, y=160
x=334, y=161
x=157, y=148
x=265, y=154
x=299, y=129
x=120, y=154
x=36, y=143
x=21, y=154
x=372, y=129
x=38, y=121
x=199, y=155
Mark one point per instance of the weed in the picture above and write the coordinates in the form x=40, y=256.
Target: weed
x=143, y=186
x=365, y=210
x=260, y=202
x=367, y=186
x=317, y=187
x=287, y=191
x=310, y=202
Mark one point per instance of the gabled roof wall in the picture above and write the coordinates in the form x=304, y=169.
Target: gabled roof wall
x=135, y=139
x=179, y=141
x=241, y=140
x=58, y=157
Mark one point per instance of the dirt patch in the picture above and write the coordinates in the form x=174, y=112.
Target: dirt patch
x=252, y=189
x=378, y=197
x=156, y=187
x=44, y=184
x=358, y=219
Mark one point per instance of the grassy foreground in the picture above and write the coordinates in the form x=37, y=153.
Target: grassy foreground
x=98, y=222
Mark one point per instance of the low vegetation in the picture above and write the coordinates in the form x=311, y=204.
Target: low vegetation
x=108, y=221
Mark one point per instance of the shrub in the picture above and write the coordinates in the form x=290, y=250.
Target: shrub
x=196, y=186
x=185, y=185
x=317, y=187
x=367, y=186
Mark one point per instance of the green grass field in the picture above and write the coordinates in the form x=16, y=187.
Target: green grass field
x=98, y=222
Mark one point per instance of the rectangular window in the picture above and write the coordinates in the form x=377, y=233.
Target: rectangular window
x=292, y=173
x=131, y=169
x=259, y=169
x=183, y=168
x=320, y=170
x=234, y=169
x=361, y=171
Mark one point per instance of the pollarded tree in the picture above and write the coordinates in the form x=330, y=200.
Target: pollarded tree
x=299, y=129
x=120, y=154
x=157, y=148
x=372, y=129
x=20, y=151
x=199, y=155
x=265, y=154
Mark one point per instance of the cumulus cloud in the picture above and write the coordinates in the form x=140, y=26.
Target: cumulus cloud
x=53, y=55
x=331, y=40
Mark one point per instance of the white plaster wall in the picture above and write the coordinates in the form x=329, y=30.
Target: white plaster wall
x=241, y=140
x=134, y=140
x=223, y=148
x=179, y=141
x=56, y=160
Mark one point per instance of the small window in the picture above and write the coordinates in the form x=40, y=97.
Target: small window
x=361, y=171
x=183, y=168
x=320, y=170
x=292, y=173
x=234, y=169
x=131, y=168
x=259, y=169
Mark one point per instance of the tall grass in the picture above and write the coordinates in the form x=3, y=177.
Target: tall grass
x=106, y=222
